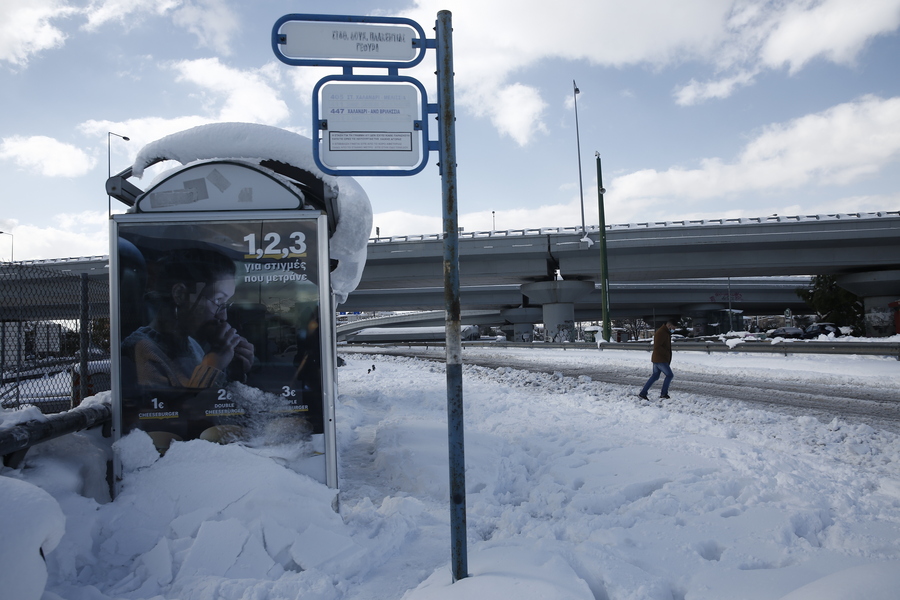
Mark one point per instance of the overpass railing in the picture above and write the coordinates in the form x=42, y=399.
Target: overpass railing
x=647, y=225
x=536, y=231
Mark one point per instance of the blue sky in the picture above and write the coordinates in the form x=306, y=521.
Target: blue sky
x=699, y=108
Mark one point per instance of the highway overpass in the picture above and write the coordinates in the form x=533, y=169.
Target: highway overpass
x=762, y=247
x=656, y=269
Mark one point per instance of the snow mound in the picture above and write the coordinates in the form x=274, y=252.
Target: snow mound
x=878, y=581
x=32, y=523
x=507, y=572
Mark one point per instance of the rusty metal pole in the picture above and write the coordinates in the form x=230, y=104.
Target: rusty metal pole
x=455, y=438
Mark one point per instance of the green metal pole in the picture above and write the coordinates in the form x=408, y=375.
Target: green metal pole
x=604, y=266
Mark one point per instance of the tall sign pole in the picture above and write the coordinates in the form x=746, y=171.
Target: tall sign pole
x=455, y=437
x=374, y=125
x=604, y=266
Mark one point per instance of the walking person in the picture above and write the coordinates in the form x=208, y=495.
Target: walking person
x=661, y=357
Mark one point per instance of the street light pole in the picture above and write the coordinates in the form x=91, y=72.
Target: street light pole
x=578, y=140
x=109, y=135
x=12, y=245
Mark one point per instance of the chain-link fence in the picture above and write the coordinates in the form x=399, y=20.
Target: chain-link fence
x=54, y=337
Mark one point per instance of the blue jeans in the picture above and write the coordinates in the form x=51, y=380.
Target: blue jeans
x=659, y=369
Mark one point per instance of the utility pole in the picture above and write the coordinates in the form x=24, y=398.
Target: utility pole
x=604, y=265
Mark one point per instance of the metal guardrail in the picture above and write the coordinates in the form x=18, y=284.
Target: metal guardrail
x=648, y=225
x=17, y=439
x=891, y=349
x=767, y=347
x=561, y=230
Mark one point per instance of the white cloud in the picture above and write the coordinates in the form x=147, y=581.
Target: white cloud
x=763, y=35
x=836, y=30
x=696, y=92
x=515, y=110
x=141, y=132
x=548, y=215
x=855, y=204
x=70, y=234
x=835, y=147
x=492, y=41
x=46, y=156
x=101, y=12
x=398, y=222
x=26, y=28
x=764, y=207
x=303, y=82
x=213, y=22
x=249, y=96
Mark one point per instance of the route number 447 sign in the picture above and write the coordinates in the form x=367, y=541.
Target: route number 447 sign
x=370, y=125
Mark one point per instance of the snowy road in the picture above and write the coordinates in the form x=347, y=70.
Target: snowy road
x=833, y=396
x=575, y=489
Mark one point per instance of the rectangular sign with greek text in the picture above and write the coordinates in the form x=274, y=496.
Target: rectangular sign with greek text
x=338, y=40
x=370, y=125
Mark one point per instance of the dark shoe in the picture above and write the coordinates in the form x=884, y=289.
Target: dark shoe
x=644, y=396
x=665, y=397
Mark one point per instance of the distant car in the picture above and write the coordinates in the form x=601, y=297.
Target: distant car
x=794, y=333
x=94, y=353
x=817, y=329
x=99, y=379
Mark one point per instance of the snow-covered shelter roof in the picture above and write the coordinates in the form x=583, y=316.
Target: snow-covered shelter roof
x=290, y=157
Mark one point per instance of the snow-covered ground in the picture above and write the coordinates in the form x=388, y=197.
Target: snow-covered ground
x=576, y=489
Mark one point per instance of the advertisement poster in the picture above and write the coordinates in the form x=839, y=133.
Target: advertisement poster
x=220, y=331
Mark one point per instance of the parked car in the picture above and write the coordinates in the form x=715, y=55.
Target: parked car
x=99, y=379
x=817, y=329
x=794, y=333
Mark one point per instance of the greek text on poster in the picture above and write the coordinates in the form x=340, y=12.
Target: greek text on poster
x=370, y=141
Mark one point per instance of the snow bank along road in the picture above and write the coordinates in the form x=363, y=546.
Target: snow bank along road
x=772, y=382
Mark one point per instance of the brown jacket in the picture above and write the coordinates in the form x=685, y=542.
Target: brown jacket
x=662, y=345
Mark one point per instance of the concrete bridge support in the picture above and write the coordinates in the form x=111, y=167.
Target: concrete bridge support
x=557, y=300
x=699, y=325
x=878, y=289
x=523, y=320
x=701, y=315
